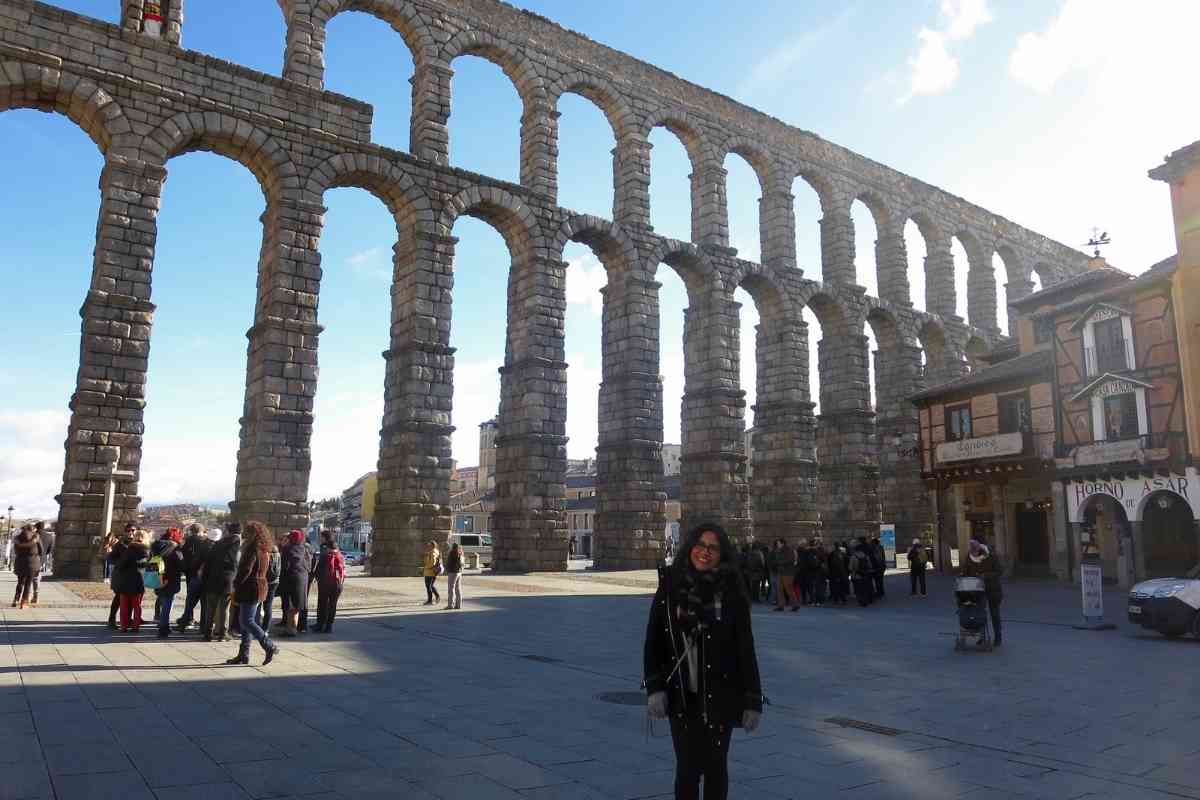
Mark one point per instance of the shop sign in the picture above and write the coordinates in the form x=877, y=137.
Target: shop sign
x=887, y=538
x=1091, y=583
x=1132, y=493
x=1108, y=452
x=1002, y=444
x=1116, y=387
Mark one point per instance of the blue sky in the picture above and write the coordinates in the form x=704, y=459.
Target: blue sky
x=1049, y=113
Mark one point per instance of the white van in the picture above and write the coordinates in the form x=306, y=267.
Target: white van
x=477, y=548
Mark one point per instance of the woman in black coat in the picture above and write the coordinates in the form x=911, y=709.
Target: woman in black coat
x=127, y=582
x=700, y=667
x=27, y=564
x=169, y=549
x=981, y=562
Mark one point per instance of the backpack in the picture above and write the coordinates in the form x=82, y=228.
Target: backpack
x=273, y=567
x=153, y=575
x=334, y=565
x=860, y=565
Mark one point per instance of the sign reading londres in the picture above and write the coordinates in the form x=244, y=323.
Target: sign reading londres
x=1002, y=444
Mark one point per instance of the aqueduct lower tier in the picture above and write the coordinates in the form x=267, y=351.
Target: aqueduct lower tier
x=144, y=100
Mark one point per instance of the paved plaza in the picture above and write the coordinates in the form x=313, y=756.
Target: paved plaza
x=510, y=698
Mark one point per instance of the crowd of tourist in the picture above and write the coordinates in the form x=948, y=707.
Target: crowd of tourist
x=814, y=573
x=232, y=576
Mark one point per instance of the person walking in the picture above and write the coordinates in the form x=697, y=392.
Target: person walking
x=699, y=662
x=127, y=582
x=296, y=564
x=981, y=562
x=862, y=572
x=784, y=571
x=331, y=575
x=250, y=589
x=917, y=562
x=454, y=565
x=47, y=538
x=27, y=565
x=839, y=571
x=220, y=569
x=431, y=567
x=274, y=570
x=194, y=551
x=169, y=549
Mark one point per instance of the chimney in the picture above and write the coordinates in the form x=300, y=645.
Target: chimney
x=1096, y=262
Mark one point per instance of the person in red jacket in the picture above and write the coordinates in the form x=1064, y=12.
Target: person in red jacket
x=331, y=574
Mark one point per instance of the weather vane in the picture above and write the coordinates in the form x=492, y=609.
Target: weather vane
x=1098, y=240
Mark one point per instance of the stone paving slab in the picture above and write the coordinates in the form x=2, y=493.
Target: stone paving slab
x=500, y=701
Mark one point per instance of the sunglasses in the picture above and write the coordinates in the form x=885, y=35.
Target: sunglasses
x=711, y=549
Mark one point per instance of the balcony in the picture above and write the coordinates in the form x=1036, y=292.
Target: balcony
x=1117, y=357
x=1151, y=448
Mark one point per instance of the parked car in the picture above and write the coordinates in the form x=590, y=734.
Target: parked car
x=1170, y=606
x=478, y=543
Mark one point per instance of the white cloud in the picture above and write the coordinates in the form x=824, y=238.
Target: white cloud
x=373, y=262
x=586, y=276
x=781, y=64
x=934, y=68
x=31, y=460
x=1078, y=39
x=583, y=377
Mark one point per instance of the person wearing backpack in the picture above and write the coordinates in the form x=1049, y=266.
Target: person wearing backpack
x=839, y=575
x=431, y=567
x=194, y=550
x=169, y=553
x=274, y=569
x=917, y=562
x=862, y=572
x=454, y=565
x=331, y=575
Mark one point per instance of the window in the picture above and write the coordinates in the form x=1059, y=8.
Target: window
x=1110, y=345
x=1043, y=330
x=1120, y=416
x=1014, y=414
x=958, y=422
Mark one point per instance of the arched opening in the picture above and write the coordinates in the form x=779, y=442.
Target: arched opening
x=806, y=205
x=933, y=354
x=748, y=322
x=866, y=234
x=917, y=249
x=743, y=195
x=1000, y=276
x=359, y=47
x=814, y=373
x=1104, y=525
x=485, y=119
x=962, y=266
x=482, y=269
x=1038, y=276
x=673, y=305
x=199, y=337
x=586, y=279
x=1170, y=536
x=585, y=167
x=670, y=185
x=50, y=163
x=975, y=351
x=355, y=310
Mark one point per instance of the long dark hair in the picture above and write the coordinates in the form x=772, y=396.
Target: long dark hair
x=683, y=556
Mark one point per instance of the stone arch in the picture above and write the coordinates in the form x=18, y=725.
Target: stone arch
x=1047, y=273
x=404, y=18
x=529, y=85
x=772, y=299
x=690, y=264
x=231, y=137
x=819, y=183
x=887, y=329
x=755, y=155
x=608, y=240
x=931, y=232
x=982, y=291
x=501, y=209
x=975, y=349
x=934, y=344
x=599, y=92
x=1014, y=267
x=383, y=179
x=25, y=85
x=835, y=319
x=687, y=129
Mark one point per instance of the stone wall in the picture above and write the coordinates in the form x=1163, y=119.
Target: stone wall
x=144, y=100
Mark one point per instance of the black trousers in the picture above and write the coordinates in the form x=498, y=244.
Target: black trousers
x=917, y=577
x=25, y=584
x=431, y=589
x=877, y=580
x=327, y=600
x=994, y=610
x=700, y=752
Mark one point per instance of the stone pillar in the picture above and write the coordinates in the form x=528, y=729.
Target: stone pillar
x=849, y=470
x=777, y=228
x=1013, y=291
x=539, y=149
x=902, y=492
x=304, y=59
x=110, y=386
x=429, y=134
x=1061, y=547
x=784, y=481
x=274, y=457
x=710, y=212
x=837, y=248
x=981, y=292
x=631, y=181
x=891, y=257
x=415, y=461
x=631, y=515
x=939, y=278
x=713, y=462
x=529, y=528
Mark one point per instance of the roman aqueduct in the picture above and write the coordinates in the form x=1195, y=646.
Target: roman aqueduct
x=144, y=99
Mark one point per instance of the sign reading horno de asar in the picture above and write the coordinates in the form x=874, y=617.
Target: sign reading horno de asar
x=1002, y=444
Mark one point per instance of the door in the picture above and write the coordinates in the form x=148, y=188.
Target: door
x=1169, y=534
x=1033, y=540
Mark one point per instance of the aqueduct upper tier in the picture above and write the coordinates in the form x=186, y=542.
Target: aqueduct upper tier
x=144, y=99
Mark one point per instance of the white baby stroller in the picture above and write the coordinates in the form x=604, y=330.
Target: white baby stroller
x=974, y=624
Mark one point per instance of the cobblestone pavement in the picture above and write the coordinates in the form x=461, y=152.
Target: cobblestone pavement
x=503, y=700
